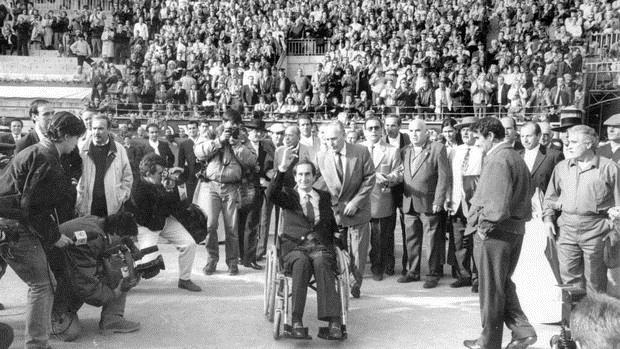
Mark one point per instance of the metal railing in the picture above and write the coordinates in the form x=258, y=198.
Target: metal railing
x=604, y=44
x=602, y=76
x=47, y=5
x=307, y=47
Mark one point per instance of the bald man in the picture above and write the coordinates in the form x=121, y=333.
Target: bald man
x=349, y=174
x=426, y=177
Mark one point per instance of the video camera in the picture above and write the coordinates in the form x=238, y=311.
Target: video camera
x=130, y=253
x=571, y=295
x=234, y=132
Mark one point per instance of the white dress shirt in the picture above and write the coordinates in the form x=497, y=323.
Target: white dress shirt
x=155, y=146
x=530, y=157
x=314, y=199
x=395, y=141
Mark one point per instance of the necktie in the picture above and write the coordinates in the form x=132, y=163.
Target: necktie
x=309, y=208
x=465, y=164
x=339, y=166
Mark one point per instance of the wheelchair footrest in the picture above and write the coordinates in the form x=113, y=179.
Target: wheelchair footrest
x=301, y=333
x=324, y=333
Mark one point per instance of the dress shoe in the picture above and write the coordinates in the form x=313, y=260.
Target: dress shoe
x=472, y=344
x=233, y=270
x=408, y=278
x=253, y=265
x=474, y=287
x=356, y=291
x=462, y=282
x=377, y=276
x=209, y=269
x=522, y=343
x=389, y=272
x=189, y=285
x=335, y=330
x=298, y=331
x=403, y=272
x=430, y=283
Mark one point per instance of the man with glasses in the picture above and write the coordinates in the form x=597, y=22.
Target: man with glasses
x=386, y=160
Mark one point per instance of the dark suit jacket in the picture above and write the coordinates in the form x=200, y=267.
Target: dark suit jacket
x=71, y=163
x=605, y=151
x=264, y=159
x=248, y=95
x=294, y=222
x=504, y=96
x=564, y=97
x=166, y=153
x=398, y=190
x=427, y=184
x=503, y=198
x=7, y=144
x=187, y=160
x=545, y=162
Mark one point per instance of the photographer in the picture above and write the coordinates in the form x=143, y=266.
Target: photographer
x=89, y=275
x=225, y=162
x=154, y=199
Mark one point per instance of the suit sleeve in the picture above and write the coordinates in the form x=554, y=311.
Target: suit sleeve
x=182, y=150
x=277, y=193
x=444, y=178
x=169, y=156
x=368, y=180
x=396, y=176
x=127, y=176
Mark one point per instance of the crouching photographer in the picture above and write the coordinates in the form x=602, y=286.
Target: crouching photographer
x=98, y=269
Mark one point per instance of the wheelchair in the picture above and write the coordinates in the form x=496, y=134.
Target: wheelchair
x=278, y=292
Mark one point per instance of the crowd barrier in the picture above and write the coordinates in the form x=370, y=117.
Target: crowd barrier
x=602, y=76
x=604, y=44
x=307, y=47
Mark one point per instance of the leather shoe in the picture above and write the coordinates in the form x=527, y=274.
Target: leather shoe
x=298, y=331
x=233, y=270
x=461, y=282
x=430, y=283
x=389, y=272
x=377, y=276
x=209, y=269
x=472, y=344
x=408, y=278
x=356, y=291
x=189, y=285
x=335, y=330
x=253, y=265
x=522, y=343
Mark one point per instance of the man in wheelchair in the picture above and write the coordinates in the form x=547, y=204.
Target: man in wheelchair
x=307, y=244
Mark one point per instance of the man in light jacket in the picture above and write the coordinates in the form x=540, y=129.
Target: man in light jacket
x=107, y=177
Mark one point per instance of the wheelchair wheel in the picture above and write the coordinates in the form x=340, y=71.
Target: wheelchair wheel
x=277, y=321
x=269, y=276
x=272, y=285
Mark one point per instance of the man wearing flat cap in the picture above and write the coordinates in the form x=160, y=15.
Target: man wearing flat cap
x=611, y=150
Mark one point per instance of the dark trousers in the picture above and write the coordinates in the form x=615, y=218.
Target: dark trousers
x=249, y=220
x=429, y=225
x=382, y=244
x=496, y=258
x=301, y=265
x=463, y=248
x=22, y=45
x=265, y=220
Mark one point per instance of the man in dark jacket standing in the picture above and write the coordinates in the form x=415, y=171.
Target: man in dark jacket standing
x=32, y=190
x=500, y=207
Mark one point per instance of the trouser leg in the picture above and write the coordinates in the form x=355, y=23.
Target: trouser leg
x=114, y=310
x=177, y=235
x=387, y=246
x=265, y=219
x=414, y=244
x=514, y=317
x=327, y=299
x=230, y=213
x=359, y=240
x=298, y=264
x=376, y=260
x=210, y=202
x=242, y=218
x=436, y=242
x=30, y=264
x=251, y=229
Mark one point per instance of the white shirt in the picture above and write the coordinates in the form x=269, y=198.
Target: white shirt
x=314, y=199
x=155, y=146
x=16, y=138
x=614, y=146
x=308, y=141
x=41, y=135
x=530, y=157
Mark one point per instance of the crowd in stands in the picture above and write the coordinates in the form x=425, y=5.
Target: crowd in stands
x=184, y=59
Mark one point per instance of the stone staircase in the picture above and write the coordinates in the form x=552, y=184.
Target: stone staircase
x=40, y=68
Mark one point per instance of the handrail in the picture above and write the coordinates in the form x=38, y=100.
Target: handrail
x=307, y=47
x=601, y=43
